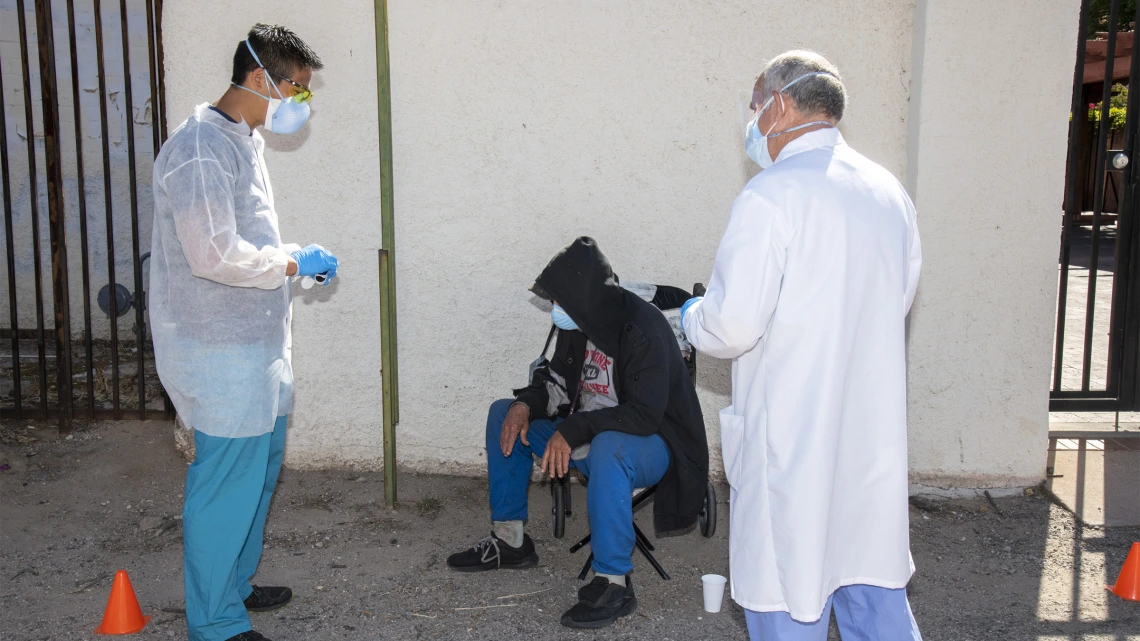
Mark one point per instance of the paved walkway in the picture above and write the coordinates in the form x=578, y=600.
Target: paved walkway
x=1080, y=281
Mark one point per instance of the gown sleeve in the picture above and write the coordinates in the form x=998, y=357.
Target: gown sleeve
x=201, y=196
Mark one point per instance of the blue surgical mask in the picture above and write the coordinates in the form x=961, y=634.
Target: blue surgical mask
x=562, y=319
x=283, y=115
x=756, y=143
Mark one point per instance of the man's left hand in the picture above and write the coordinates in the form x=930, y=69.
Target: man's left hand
x=557, y=456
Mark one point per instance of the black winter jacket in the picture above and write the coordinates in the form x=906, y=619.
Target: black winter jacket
x=654, y=388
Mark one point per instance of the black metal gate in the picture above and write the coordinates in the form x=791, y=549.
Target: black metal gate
x=1097, y=345
x=91, y=357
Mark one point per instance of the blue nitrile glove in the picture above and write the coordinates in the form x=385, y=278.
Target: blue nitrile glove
x=313, y=260
x=685, y=308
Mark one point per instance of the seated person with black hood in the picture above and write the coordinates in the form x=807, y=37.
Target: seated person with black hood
x=616, y=403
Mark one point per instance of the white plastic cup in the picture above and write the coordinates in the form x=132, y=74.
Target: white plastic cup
x=714, y=591
x=308, y=281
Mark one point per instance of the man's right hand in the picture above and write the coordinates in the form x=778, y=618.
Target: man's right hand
x=313, y=260
x=515, y=427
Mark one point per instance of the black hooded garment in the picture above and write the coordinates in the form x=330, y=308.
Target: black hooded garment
x=654, y=389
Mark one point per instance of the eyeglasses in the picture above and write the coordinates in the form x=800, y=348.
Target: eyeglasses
x=304, y=94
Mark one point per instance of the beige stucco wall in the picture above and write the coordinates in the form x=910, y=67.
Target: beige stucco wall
x=987, y=130
x=521, y=125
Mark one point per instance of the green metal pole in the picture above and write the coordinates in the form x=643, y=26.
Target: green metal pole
x=387, y=390
x=387, y=219
x=388, y=343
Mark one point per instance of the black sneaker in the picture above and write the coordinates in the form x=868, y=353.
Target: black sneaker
x=492, y=553
x=267, y=599
x=600, y=604
x=248, y=636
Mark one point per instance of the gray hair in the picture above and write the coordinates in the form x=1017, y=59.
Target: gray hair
x=819, y=95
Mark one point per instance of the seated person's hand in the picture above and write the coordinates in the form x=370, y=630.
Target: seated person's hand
x=557, y=456
x=515, y=427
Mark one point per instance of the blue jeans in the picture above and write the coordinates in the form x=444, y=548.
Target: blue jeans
x=617, y=464
x=863, y=612
x=228, y=489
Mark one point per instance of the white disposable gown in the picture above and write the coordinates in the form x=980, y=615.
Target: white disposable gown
x=220, y=302
x=812, y=283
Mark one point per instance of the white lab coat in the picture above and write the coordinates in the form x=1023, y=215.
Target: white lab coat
x=812, y=283
x=220, y=302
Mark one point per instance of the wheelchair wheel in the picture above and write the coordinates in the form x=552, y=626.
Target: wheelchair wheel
x=557, y=508
x=707, y=518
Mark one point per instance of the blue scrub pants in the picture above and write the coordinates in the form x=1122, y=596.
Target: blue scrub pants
x=617, y=464
x=863, y=612
x=228, y=489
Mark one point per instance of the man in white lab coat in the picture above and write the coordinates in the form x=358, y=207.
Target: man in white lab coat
x=809, y=295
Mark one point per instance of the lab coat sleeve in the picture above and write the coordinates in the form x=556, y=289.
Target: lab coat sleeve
x=745, y=284
x=643, y=395
x=201, y=195
x=914, y=258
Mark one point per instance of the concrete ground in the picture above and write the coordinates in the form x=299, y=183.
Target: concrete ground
x=74, y=511
x=1098, y=479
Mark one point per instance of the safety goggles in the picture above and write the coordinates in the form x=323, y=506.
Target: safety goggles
x=303, y=93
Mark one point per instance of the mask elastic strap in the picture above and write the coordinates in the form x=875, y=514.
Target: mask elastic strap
x=781, y=91
x=789, y=85
x=263, y=68
x=243, y=88
x=798, y=127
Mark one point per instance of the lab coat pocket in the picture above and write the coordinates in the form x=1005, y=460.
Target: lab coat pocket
x=732, y=444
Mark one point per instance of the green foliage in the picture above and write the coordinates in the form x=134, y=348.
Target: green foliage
x=1100, y=12
x=1117, y=108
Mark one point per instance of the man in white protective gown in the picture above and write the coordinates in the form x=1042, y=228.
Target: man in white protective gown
x=809, y=295
x=221, y=311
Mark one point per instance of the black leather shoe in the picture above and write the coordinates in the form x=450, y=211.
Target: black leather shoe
x=600, y=604
x=267, y=599
x=492, y=553
x=248, y=636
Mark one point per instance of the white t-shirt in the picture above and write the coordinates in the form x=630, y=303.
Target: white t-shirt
x=596, y=383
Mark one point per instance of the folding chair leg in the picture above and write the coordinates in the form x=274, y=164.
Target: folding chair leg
x=586, y=568
x=580, y=544
x=653, y=562
x=641, y=538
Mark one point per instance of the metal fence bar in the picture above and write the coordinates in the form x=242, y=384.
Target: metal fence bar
x=154, y=128
x=57, y=216
x=83, y=247
x=7, y=414
x=10, y=246
x=114, y=306
x=1098, y=194
x=33, y=193
x=140, y=321
x=1072, y=202
x=161, y=61
x=168, y=406
x=1128, y=327
x=1121, y=367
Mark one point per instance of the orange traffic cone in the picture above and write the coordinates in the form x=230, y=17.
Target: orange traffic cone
x=1128, y=583
x=123, y=615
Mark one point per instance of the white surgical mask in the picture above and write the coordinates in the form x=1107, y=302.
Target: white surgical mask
x=283, y=115
x=756, y=143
